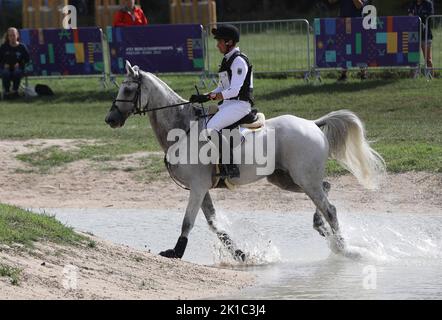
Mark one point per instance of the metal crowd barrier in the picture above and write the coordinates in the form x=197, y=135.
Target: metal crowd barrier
x=275, y=46
x=435, y=22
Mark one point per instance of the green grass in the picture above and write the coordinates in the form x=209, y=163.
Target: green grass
x=271, y=50
x=18, y=226
x=151, y=169
x=12, y=273
x=402, y=117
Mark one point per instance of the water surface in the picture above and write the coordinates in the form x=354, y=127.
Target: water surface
x=401, y=253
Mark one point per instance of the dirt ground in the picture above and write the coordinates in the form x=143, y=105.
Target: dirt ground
x=117, y=272
x=84, y=184
x=108, y=271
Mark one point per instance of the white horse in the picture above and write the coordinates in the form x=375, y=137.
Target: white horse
x=302, y=148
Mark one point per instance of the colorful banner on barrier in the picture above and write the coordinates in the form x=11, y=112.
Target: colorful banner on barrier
x=161, y=48
x=64, y=52
x=344, y=43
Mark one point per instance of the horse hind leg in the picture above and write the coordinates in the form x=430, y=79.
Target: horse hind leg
x=283, y=180
x=319, y=197
x=318, y=221
x=210, y=214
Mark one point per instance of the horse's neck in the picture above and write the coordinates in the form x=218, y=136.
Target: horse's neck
x=162, y=121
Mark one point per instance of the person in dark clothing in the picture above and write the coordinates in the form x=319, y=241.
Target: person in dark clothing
x=350, y=9
x=13, y=58
x=424, y=9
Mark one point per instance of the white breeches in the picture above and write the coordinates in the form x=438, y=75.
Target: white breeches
x=229, y=112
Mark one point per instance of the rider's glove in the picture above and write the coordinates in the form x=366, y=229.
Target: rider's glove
x=199, y=98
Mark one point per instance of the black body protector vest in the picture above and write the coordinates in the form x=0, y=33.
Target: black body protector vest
x=246, y=92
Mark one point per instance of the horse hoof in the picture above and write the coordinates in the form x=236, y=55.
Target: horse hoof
x=337, y=244
x=169, y=254
x=239, y=256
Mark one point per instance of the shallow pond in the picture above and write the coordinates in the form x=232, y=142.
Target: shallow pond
x=401, y=253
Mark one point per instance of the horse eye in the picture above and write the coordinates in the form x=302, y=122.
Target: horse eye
x=127, y=91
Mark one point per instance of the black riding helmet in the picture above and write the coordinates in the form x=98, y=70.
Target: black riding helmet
x=226, y=32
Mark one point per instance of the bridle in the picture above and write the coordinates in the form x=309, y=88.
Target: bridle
x=136, y=102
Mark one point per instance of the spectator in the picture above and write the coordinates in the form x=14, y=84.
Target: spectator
x=350, y=9
x=424, y=9
x=13, y=58
x=129, y=15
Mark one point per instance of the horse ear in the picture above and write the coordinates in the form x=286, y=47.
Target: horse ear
x=129, y=69
x=136, y=70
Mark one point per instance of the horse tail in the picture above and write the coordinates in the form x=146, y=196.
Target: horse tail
x=349, y=146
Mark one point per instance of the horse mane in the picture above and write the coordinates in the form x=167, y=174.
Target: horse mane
x=162, y=84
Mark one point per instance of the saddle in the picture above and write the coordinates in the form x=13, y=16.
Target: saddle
x=254, y=120
x=249, y=119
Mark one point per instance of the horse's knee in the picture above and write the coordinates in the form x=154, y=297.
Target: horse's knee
x=317, y=220
x=326, y=186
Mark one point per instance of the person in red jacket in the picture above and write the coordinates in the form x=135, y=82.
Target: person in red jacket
x=129, y=15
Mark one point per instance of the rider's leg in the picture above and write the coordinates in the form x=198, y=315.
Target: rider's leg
x=230, y=111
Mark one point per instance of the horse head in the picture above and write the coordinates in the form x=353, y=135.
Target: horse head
x=129, y=98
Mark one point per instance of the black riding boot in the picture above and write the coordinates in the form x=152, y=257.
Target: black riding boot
x=230, y=170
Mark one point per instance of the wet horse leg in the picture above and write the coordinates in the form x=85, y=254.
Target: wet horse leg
x=210, y=214
x=319, y=197
x=318, y=221
x=283, y=180
x=195, y=200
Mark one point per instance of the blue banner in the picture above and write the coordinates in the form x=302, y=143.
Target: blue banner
x=64, y=52
x=157, y=48
x=344, y=43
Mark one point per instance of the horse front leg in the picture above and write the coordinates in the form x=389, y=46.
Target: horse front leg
x=193, y=206
x=210, y=214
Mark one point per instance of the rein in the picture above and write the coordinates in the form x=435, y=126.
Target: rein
x=136, y=101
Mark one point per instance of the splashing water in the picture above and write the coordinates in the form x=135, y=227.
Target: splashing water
x=257, y=246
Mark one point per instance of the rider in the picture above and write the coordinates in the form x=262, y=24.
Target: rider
x=234, y=89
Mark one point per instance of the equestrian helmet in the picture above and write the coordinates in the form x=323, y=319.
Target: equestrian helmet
x=226, y=32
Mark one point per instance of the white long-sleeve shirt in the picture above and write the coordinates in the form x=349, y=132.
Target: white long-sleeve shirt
x=239, y=73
